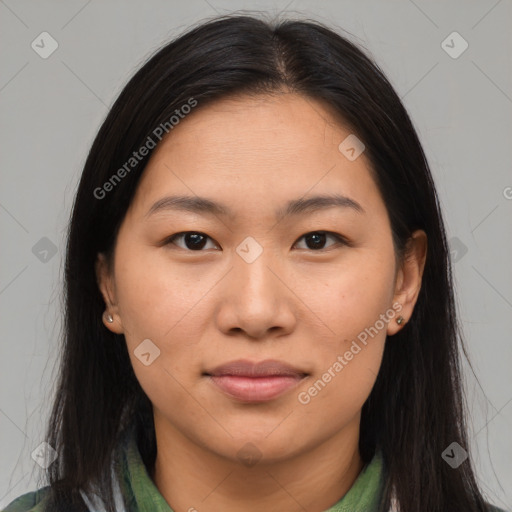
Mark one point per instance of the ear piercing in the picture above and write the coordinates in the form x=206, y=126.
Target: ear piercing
x=400, y=320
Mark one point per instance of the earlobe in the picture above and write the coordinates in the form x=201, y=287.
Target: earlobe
x=111, y=318
x=409, y=279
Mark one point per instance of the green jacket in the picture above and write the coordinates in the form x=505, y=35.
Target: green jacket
x=136, y=492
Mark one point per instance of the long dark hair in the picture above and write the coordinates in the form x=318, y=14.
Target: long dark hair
x=416, y=408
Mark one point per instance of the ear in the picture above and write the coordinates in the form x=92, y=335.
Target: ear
x=106, y=285
x=409, y=278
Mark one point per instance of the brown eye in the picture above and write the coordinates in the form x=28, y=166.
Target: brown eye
x=192, y=240
x=316, y=240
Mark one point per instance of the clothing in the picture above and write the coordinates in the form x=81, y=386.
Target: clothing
x=136, y=492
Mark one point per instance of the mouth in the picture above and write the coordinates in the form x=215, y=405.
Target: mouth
x=250, y=382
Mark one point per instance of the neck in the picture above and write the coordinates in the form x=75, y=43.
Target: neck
x=192, y=477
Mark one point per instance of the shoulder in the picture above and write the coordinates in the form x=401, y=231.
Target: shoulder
x=493, y=508
x=29, y=502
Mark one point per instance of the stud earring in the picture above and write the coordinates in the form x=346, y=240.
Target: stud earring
x=109, y=318
x=400, y=320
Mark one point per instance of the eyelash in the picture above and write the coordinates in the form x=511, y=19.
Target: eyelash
x=341, y=240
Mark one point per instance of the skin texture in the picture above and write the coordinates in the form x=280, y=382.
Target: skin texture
x=294, y=303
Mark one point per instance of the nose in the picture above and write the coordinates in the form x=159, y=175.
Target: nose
x=257, y=300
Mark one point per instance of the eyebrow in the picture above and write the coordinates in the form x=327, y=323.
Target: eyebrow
x=301, y=206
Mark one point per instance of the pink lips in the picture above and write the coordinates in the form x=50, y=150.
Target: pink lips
x=255, y=382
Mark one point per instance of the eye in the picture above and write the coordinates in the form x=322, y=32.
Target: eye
x=193, y=240
x=196, y=241
x=316, y=240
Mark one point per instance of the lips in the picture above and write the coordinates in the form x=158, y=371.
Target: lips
x=243, y=368
x=251, y=382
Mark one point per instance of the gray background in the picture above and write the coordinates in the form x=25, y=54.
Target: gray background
x=51, y=108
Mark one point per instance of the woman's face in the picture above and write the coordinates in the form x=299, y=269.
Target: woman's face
x=256, y=279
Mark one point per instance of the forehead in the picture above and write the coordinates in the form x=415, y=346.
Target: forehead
x=288, y=124
x=270, y=147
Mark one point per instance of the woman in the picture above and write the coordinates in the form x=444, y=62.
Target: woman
x=259, y=305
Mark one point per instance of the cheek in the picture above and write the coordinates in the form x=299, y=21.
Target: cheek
x=346, y=370
x=156, y=297
x=158, y=309
x=349, y=296
x=168, y=305
x=354, y=305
